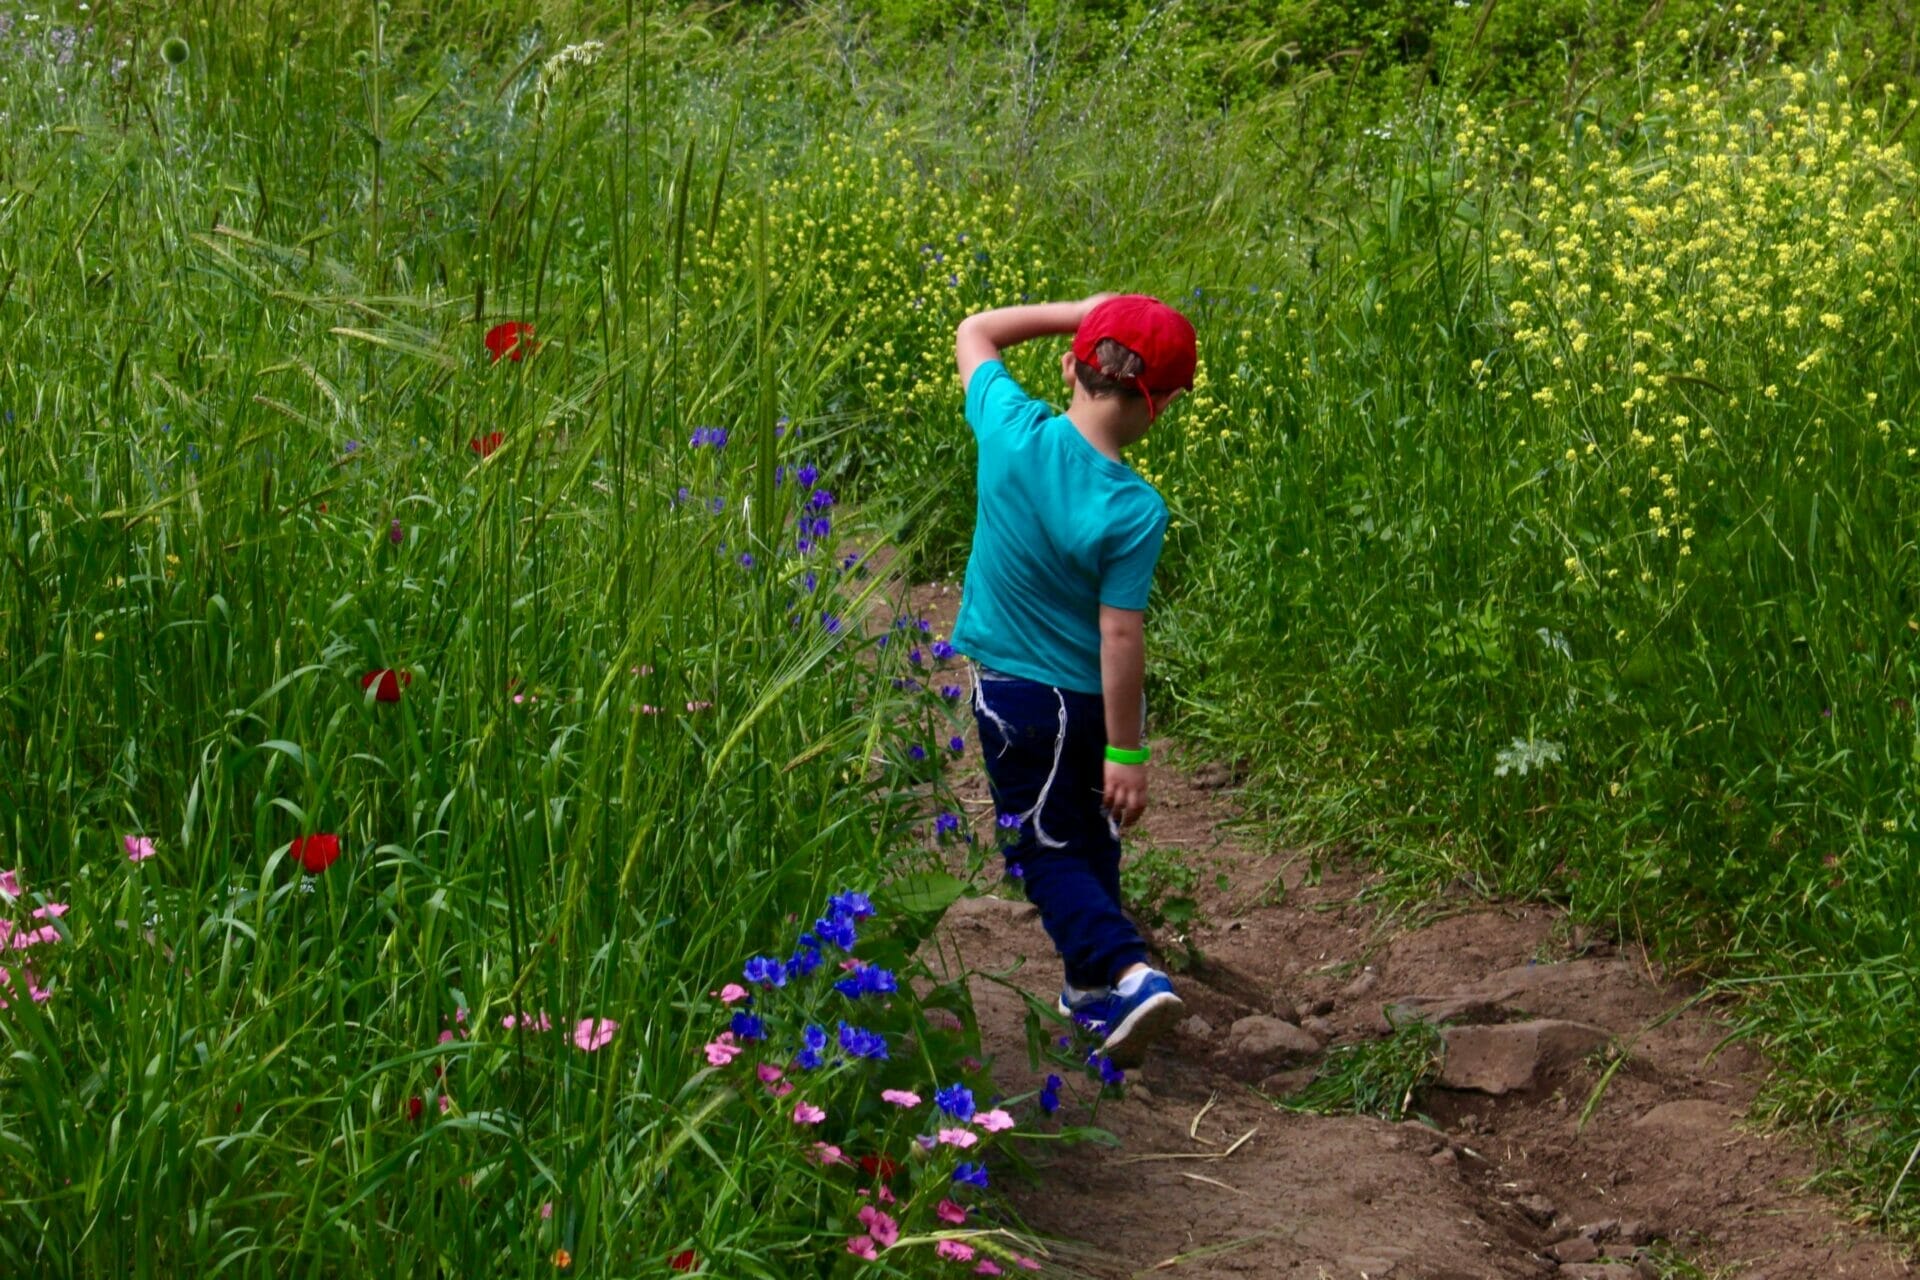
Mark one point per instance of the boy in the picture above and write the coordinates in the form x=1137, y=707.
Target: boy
x=1064, y=546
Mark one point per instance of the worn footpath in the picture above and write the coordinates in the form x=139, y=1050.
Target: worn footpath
x=1586, y=1123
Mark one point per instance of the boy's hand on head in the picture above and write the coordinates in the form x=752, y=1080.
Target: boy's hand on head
x=1126, y=792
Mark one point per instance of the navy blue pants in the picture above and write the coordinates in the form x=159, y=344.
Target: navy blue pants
x=1045, y=752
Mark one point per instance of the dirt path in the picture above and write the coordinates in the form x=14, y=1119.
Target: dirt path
x=1212, y=1179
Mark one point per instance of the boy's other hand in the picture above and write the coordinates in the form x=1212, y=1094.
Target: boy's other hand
x=1126, y=792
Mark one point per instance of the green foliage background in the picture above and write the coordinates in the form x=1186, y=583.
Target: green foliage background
x=1388, y=587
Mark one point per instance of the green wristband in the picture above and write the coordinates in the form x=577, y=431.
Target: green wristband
x=1129, y=755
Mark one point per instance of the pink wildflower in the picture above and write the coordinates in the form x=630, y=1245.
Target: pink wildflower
x=827, y=1154
x=446, y=1037
x=900, y=1097
x=886, y=1195
x=1025, y=1263
x=994, y=1121
x=52, y=911
x=962, y=1138
x=10, y=884
x=732, y=993
x=531, y=1021
x=884, y=1229
x=954, y=1251
x=768, y=1073
x=546, y=1211
x=139, y=848
x=721, y=1049
x=862, y=1247
x=591, y=1034
x=986, y=1268
x=951, y=1213
x=807, y=1113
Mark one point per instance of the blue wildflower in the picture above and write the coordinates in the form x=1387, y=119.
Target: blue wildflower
x=812, y=580
x=926, y=628
x=867, y=981
x=1016, y=872
x=820, y=499
x=1109, y=1074
x=1050, y=1094
x=746, y=559
x=1009, y=822
x=942, y=651
x=820, y=527
x=765, y=971
x=916, y=656
x=803, y=962
x=838, y=930
x=805, y=474
x=861, y=1043
x=831, y=623
x=851, y=903
x=779, y=476
x=950, y=691
x=916, y=753
x=956, y=1100
x=946, y=824
x=716, y=505
x=881, y=643
x=681, y=495
x=970, y=1174
x=748, y=1027
x=956, y=744
x=851, y=559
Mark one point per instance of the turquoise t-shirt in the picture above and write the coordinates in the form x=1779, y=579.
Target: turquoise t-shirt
x=1060, y=530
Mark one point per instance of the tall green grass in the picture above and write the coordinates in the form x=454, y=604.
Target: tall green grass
x=245, y=299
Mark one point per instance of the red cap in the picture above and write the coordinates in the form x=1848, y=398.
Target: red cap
x=1152, y=330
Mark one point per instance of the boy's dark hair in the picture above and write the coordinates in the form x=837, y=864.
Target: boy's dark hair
x=1118, y=373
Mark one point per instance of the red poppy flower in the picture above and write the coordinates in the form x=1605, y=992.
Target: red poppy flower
x=390, y=682
x=881, y=1167
x=486, y=444
x=414, y=1108
x=315, y=853
x=510, y=341
x=683, y=1261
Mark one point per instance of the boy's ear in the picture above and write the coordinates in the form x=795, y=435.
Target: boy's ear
x=1066, y=367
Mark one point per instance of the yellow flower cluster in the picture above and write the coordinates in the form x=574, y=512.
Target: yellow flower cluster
x=883, y=251
x=1690, y=274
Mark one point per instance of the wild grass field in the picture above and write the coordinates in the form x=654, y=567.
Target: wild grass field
x=446, y=451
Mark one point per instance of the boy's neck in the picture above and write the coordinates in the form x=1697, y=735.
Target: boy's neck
x=1103, y=423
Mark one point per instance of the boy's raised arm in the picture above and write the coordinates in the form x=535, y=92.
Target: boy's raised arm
x=981, y=336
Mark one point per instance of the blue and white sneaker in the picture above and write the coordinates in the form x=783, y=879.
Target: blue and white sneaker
x=1076, y=1003
x=1139, y=1017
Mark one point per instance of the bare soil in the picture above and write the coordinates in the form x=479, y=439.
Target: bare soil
x=1212, y=1178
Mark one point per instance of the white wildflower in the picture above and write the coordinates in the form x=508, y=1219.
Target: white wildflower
x=1525, y=755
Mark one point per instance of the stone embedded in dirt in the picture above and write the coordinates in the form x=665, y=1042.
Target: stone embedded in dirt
x=1196, y=1028
x=979, y=913
x=1604, y=1271
x=1283, y=1084
x=1602, y=1231
x=1688, y=1115
x=1213, y=776
x=1319, y=1028
x=1443, y=1009
x=1443, y=1159
x=1634, y=1231
x=1259, y=1038
x=1536, y=1207
x=1515, y=1056
x=1316, y=1008
x=1357, y=989
x=1423, y=1138
x=1578, y=1249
